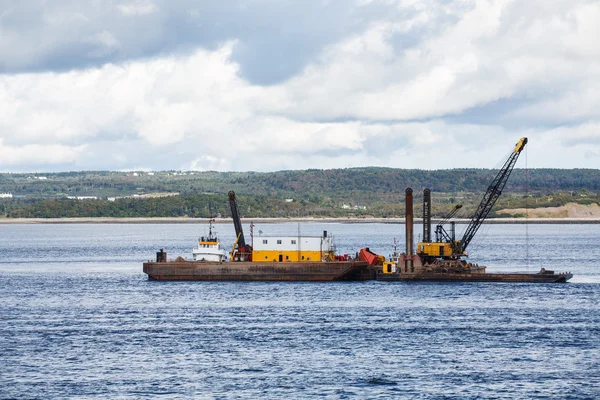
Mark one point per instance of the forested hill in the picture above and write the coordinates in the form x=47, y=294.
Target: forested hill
x=312, y=192
x=396, y=180
x=333, y=182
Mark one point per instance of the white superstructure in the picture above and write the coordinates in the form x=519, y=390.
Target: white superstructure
x=293, y=248
x=209, y=248
x=293, y=243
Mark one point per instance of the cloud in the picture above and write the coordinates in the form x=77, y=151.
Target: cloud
x=38, y=154
x=139, y=7
x=266, y=86
x=276, y=39
x=491, y=54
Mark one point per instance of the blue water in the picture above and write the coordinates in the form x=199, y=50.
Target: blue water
x=80, y=320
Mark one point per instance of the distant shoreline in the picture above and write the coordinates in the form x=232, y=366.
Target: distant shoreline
x=169, y=220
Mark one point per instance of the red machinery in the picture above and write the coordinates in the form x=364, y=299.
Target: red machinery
x=370, y=257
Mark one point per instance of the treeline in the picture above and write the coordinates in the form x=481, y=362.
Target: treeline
x=195, y=206
x=211, y=205
x=372, y=191
x=364, y=185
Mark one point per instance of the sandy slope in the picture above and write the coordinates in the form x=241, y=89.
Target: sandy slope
x=570, y=210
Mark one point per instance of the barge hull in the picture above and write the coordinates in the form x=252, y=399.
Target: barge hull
x=484, y=277
x=252, y=271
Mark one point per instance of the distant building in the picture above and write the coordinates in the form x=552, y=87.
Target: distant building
x=356, y=207
x=289, y=200
x=82, y=197
x=6, y=195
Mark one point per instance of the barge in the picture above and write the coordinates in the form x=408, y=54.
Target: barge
x=296, y=258
x=423, y=267
x=270, y=258
x=540, y=277
x=182, y=270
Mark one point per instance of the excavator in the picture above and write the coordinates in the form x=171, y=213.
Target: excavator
x=446, y=252
x=442, y=260
x=446, y=246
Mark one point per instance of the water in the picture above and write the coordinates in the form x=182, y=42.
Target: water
x=80, y=320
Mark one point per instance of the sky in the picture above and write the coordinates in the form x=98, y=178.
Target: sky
x=259, y=85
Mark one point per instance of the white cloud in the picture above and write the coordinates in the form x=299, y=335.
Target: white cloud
x=139, y=7
x=38, y=154
x=492, y=53
x=397, y=93
x=206, y=163
x=107, y=42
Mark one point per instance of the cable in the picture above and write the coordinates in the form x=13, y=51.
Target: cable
x=526, y=212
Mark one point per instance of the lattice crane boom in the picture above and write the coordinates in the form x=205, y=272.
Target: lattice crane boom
x=491, y=196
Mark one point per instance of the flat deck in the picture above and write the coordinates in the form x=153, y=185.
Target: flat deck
x=252, y=271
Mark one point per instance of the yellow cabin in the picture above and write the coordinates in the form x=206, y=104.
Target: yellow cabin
x=293, y=248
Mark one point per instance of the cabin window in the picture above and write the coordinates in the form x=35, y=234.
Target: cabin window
x=265, y=241
x=293, y=241
x=303, y=257
x=266, y=257
x=287, y=257
x=279, y=242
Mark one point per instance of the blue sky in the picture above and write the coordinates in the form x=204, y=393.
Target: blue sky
x=272, y=85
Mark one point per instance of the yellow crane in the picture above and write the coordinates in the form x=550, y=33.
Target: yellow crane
x=446, y=246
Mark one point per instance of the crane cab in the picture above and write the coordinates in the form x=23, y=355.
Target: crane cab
x=437, y=249
x=389, y=267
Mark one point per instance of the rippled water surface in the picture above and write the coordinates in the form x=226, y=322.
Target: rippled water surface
x=80, y=320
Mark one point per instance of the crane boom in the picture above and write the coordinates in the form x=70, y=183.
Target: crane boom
x=451, y=214
x=490, y=197
x=243, y=252
x=237, y=222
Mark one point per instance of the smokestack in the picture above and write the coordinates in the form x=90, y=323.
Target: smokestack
x=409, y=266
x=409, y=222
x=427, y=216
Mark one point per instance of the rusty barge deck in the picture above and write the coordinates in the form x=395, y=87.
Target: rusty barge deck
x=255, y=271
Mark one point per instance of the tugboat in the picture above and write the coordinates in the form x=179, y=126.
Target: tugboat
x=275, y=258
x=209, y=248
